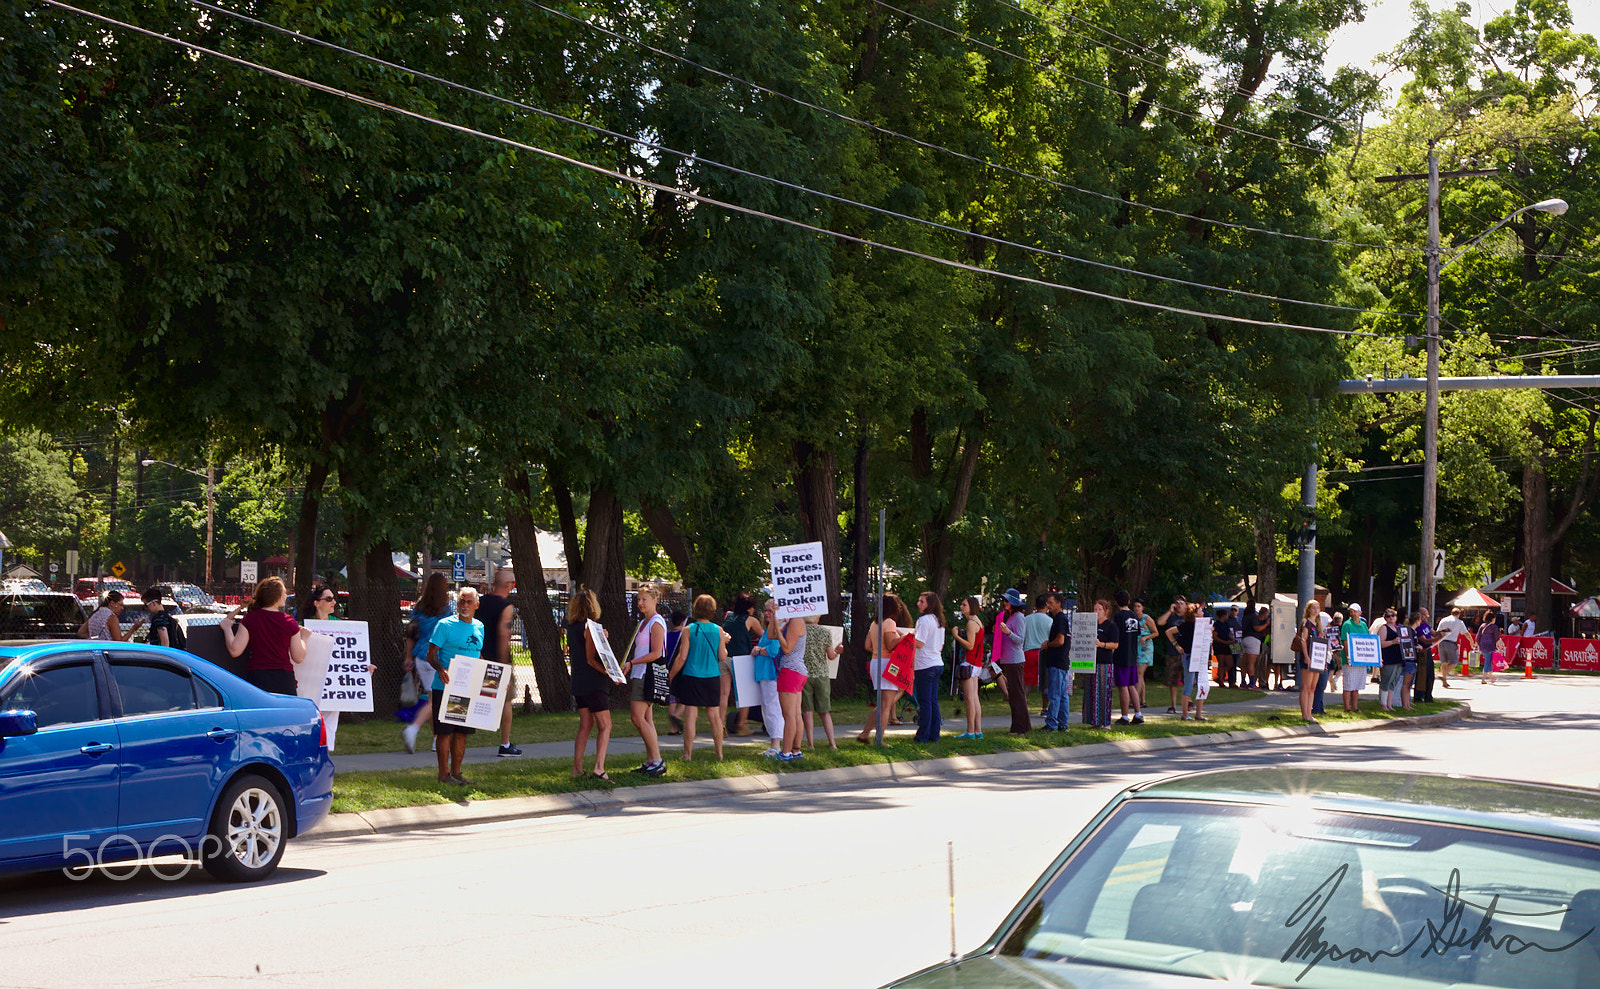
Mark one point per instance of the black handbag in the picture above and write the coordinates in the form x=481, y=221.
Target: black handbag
x=656, y=687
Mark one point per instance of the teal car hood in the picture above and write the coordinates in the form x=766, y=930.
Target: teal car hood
x=1002, y=972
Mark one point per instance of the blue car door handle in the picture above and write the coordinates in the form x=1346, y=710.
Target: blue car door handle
x=221, y=734
x=96, y=748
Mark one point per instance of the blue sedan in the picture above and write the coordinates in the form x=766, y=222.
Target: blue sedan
x=114, y=751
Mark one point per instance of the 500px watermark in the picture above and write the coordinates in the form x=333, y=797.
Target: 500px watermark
x=119, y=851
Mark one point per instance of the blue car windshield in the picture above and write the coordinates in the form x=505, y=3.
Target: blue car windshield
x=1275, y=896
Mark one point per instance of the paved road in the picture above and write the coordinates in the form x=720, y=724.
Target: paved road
x=841, y=887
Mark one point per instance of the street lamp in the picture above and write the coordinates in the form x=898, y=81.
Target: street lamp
x=211, y=490
x=1430, y=442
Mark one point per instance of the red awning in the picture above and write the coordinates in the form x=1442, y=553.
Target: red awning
x=1473, y=598
x=1512, y=583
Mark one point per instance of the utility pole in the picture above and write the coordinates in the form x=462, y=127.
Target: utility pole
x=211, y=503
x=1430, y=431
x=1307, y=536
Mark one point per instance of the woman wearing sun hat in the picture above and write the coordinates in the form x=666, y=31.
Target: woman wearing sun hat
x=1007, y=646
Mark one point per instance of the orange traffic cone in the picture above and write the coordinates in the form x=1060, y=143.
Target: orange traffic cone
x=1527, y=665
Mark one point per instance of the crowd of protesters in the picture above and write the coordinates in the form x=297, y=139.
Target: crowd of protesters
x=1011, y=645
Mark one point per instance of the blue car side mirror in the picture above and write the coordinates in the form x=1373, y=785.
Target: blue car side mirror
x=14, y=723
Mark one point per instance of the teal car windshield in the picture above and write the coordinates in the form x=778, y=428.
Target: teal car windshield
x=1287, y=896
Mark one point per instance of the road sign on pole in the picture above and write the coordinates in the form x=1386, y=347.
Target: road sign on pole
x=1438, y=564
x=249, y=571
x=117, y=569
x=459, y=572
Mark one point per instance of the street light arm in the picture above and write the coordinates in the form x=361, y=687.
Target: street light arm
x=1555, y=207
x=186, y=470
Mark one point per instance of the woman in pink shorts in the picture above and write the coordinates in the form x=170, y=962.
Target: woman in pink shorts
x=791, y=636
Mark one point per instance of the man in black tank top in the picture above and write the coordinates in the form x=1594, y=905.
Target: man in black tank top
x=496, y=612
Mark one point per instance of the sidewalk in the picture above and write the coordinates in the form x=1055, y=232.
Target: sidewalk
x=632, y=745
x=609, y=800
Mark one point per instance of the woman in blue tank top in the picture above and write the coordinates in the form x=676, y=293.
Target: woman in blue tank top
x=696, y=676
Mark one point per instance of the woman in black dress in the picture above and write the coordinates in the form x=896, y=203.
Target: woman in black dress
x=591, y=685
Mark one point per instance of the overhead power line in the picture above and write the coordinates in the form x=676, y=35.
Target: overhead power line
x=697, y=158
x=681, y=193
x=961, y=155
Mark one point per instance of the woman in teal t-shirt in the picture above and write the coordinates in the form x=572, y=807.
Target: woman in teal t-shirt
x=696, y=676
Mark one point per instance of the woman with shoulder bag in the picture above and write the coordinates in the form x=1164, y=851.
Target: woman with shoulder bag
x=696, y=673
x=649, y=643
x=1310, y=632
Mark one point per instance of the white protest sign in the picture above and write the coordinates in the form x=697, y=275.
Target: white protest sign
x=1200, y=655
x=474, y=696
x=1365, y=650
x=1318, y=659
x=310, y=675
x=745, y=691
x=1081, y=654
x=835, y=634
x=346, y=684
x=799, y=580
x=602, y=649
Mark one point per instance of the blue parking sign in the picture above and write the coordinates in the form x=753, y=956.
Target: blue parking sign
x=460, y=573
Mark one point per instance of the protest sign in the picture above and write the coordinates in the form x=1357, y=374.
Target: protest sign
x=346, y=684
x=1200, y=655
x=602, y=649
x=475, y=694
x=1283, y=630
x=1365, y=650
x=1580, y=654
x=799, y=580
x=835, y=635
x=1318, y=658
x=1081, y=654
x=312, y=673
x=745, y=691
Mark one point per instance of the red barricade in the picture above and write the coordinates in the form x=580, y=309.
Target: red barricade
x=1580, y=654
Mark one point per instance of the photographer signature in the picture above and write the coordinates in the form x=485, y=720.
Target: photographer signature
x=1453, y=929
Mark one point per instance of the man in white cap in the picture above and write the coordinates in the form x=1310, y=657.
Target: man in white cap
x=1355, y=677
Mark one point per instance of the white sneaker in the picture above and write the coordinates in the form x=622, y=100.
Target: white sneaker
x=409, y=735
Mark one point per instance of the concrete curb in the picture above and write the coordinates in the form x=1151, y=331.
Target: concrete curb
x=602, y=801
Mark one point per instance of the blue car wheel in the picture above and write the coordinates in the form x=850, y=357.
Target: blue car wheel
x=248, y=831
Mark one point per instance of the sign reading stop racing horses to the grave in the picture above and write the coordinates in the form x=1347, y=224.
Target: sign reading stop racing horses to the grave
x=346, y=683
x=799, y=580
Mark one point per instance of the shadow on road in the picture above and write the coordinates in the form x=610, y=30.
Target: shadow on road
x=51, y=892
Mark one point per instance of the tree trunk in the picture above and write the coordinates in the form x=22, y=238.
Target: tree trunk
x=539, y=630
x=852, y=671
x=679, y=549
x=569, y=524
x=1536, y=540
x=817, y=495
x=1140, y=568
x=1266, y=558
x=305, y=530
x=376, y=601
x=938, y=541
x=603, y=563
